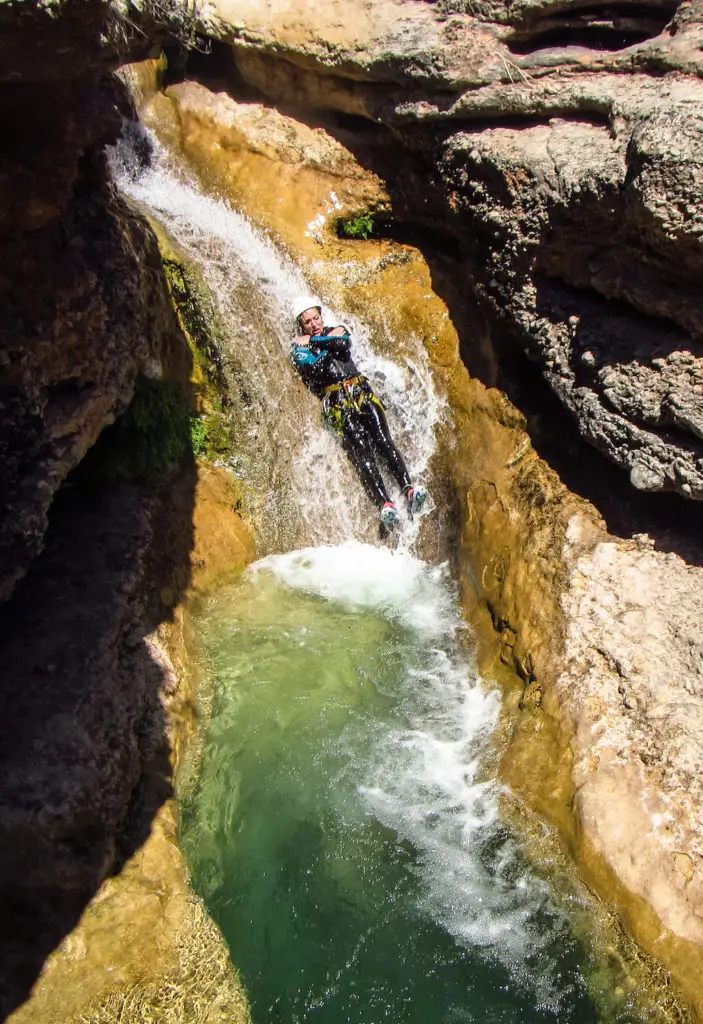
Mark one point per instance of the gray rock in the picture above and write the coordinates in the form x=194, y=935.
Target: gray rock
x=583, y=224
x=644, y=478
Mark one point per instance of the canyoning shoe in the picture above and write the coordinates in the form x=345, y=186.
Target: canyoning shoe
x=389, y=515
x=416, y=498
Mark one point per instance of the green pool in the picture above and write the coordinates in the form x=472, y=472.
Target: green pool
x=342, y=831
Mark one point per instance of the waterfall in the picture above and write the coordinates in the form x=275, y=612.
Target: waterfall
x=307, y=491
x=350, y=728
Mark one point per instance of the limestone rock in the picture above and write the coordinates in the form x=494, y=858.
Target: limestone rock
x=633, y=686
x=568, y=168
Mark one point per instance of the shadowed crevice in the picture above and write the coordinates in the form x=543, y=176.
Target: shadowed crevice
x=607, y=27
x=84, y=747
x=84, y=752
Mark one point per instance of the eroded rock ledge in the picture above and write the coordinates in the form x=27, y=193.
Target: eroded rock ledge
x=561, y=145
x=570, y=177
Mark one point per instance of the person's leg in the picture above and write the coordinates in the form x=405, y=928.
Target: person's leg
x=358, y=447
x=378, y=430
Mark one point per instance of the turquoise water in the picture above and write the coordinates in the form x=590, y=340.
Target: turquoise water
x=342, y=832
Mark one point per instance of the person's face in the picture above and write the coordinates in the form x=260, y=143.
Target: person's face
x=311, y=321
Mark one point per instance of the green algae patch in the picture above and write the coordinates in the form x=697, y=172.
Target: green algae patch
x=211, y=427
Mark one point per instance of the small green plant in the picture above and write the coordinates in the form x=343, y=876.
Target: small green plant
x=359, y=226
x=210, y=436
x=198, y=436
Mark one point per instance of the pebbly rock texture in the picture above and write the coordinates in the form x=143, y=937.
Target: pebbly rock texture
x=633, y=686
x=561, y=146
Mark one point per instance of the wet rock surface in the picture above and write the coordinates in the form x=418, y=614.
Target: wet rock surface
x=562, y=148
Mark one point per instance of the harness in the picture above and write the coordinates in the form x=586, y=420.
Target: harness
x=346, y=384
x=346, y=398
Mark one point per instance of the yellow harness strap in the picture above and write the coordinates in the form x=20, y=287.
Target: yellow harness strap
x=347, y=385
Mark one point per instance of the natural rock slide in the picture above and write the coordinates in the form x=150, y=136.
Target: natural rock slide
x=546, y=160
x=570, y=177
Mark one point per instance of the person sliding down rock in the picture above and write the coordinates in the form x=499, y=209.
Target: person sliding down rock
x=322, y=356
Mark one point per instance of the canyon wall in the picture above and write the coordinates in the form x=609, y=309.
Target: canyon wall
x=95, y=553
x=546, y=160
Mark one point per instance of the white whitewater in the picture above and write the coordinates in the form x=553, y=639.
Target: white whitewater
x=423, y=780
x=254, y=284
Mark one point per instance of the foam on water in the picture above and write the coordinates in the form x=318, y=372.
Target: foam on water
x=392, y=583
x=424, y=780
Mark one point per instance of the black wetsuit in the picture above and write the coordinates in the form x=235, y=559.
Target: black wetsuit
x=352, y=409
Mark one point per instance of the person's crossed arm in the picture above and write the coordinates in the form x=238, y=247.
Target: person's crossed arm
x=336, y=343
x=335, y=332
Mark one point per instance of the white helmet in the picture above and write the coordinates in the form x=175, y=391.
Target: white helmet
x=303, y=302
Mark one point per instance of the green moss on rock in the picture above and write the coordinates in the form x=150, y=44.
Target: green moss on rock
x=211, y=430
x=153, y=436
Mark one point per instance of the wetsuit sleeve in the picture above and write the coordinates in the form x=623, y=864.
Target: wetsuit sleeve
x=339, y=347
x=302, y=355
